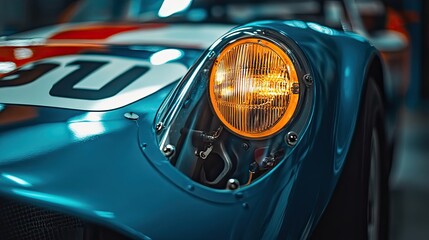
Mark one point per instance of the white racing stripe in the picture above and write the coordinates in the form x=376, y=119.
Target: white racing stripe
x=39, y=91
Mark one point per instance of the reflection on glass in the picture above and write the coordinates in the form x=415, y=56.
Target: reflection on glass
x=170, y=7
x=165, y=56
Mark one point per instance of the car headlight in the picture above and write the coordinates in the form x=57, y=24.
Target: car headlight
x=254, y=88
x=240, y=110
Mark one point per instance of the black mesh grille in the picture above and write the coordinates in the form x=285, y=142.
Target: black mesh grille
x=20, y=221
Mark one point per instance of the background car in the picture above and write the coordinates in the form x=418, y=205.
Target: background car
x=271, y=125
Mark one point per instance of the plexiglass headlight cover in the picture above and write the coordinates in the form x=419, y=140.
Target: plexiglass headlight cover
x=254, y=87
x=188, y=118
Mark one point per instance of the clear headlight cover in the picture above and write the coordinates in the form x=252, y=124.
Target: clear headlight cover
x=254, y=88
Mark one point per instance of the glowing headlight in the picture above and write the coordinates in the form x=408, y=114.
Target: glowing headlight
x=254, y=88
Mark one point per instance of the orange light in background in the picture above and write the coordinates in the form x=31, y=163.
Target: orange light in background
x=254, y=88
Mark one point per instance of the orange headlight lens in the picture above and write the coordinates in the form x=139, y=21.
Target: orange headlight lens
x=254, y=88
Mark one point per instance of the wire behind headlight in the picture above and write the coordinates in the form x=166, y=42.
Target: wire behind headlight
x=254, y=88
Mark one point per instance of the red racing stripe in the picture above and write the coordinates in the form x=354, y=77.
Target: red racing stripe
x=7, y=53
x=101, y=32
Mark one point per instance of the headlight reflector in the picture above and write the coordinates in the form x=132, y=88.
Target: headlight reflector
x=254, y=87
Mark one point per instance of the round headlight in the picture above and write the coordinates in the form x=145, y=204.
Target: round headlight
x=254, y=88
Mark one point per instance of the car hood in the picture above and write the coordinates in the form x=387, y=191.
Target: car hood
x=54, y=78
x=88, y=87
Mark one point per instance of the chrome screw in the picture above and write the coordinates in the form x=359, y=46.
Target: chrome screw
x=308, y=79
x=232, y=184
x=245, y=146
x=169, y=150
x=292, y=138
x=159, y=126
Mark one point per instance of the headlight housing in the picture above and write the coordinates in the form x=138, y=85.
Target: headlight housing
x=254, y=88
x=240, y=110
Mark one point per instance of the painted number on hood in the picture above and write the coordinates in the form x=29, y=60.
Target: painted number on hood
x=88, y=82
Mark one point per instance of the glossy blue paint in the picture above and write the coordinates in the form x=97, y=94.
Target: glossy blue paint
x=114, y=174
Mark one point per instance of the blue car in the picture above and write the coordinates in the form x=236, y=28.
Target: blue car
x=194, y=120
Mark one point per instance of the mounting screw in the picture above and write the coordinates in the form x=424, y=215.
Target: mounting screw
x=168, y=150
x=308, y=79
x=232, y=184
x=245, y=146
x=131, y=116
x=292, y=138
x=159, y=126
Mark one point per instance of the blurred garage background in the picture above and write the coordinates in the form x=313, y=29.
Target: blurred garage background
x=409, y=181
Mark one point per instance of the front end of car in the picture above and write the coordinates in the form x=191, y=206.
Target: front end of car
x=248, y=145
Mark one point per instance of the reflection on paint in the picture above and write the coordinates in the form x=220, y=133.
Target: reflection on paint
x=23, y=42
x=87, y=117
x=165, y=56
x=6, y=67
x=48, y=198
x=93, y=116
x=16, y=179
x=197, y=15
x=22, y=53
x=86, y=129
x=105, y=214
x=347, y=72
x=349, y=87
x=2, y=107
x=320, y=28
x=296, y=23
x=170, y=7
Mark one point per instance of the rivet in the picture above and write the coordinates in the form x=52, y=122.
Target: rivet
x=190, y=187
x=245, y=146
x=245, y=205
x=131, y=116
x=239, y=195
